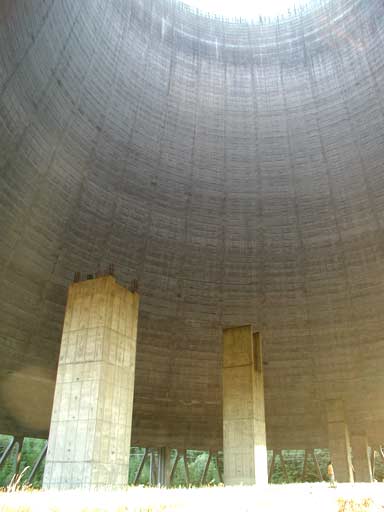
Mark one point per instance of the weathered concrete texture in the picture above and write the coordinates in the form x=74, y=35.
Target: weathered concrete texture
x=361, y=458
x=339, y=441
x=89, y=441
x=244, y=438
x=235, y=169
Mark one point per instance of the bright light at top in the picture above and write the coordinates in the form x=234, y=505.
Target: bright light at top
x=250, y=9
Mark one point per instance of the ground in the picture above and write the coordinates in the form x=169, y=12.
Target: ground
x=292, y=497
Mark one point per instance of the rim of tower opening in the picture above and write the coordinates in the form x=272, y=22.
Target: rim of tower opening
x=251, y=11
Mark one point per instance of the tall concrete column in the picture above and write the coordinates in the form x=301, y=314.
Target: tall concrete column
x=89, y=439
x=361, y=458
x=245, y=451
x=338, y=441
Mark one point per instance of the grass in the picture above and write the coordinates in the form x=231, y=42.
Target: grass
x=274, y=498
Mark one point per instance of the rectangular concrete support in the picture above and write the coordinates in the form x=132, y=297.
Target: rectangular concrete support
x=361, y=458
x=338, y=441
x=89, y=440
x=244, y=437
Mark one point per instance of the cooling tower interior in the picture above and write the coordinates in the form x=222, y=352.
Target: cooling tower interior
x=234, y=169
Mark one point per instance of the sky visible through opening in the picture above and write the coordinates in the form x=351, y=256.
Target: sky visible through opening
x=250, y=9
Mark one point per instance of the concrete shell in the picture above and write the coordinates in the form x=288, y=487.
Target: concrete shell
x=235, y=169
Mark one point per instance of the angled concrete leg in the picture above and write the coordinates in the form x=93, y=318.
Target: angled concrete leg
x=372, y=460
x=174, y=467
x=37, y=463
x=152, y=467
x=89, y=439
x=140, y=468
x=19, y=442
x=317, y=465
x=164, y=470
x=8, y=450
x=338, y=441
x=361, y=459
x=206, y=468
x=305, y=463
x=245, y=451
x=272, y=466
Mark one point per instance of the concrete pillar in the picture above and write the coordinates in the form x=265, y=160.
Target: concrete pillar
x=338, y=441
x=164, y=471
x=361, y=459
x=89, y=439
x=245, y=451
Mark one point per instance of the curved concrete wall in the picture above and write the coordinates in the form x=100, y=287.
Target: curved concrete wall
x=234, y=169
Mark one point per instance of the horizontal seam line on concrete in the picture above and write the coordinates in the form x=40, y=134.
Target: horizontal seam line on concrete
x=237, y=366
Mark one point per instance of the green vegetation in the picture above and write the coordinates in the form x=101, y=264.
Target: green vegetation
x=30, y=452
x=196, y=464
x=294, y=460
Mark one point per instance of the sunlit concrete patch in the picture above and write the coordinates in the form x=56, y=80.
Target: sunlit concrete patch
x=299, y=497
